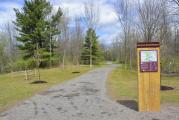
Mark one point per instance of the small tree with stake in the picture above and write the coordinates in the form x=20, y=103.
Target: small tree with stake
x=37, y=26
x=37, y=60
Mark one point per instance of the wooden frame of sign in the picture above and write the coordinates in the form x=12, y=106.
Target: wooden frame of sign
x=148, y=60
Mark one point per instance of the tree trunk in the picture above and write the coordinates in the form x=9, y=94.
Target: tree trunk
x=64, y=53
x=50, y=50
x=26, y=74
x=91, y=56
x=38, y=61
x=131, y=59
x=91, y=59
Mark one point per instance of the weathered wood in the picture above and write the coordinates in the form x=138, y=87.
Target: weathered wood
x=27, y=74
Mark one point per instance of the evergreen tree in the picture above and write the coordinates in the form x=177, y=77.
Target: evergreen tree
x=91, y=39
x=36, y=29
x=37, y=26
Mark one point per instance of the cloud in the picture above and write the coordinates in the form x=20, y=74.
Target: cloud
x=108, y=38
x=76, y=9
x=109, y=32
x=7, y=13
x=108, y=23
x=73, y=9
x=108, y=15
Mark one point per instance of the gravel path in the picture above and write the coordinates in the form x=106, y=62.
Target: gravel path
x=83, y=98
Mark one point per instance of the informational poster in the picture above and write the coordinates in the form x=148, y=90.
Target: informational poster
x=148, y=61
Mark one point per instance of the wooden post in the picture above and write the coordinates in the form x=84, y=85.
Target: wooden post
x=148, y=55
x=35, y=72
x=26, y=75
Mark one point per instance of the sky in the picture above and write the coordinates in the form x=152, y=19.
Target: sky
x=108, y=24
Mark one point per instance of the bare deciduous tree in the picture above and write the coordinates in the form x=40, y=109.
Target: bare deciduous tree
x=92, y=14
x=12, y=44
x=149, y=15
x=64, y=37
x=77, y=42
x=177, y=2
x=123, y=10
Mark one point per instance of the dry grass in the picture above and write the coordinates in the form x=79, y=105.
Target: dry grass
x=14, y=88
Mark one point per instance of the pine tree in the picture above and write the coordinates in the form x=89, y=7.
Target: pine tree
x=36, y=27
x=85, y=57
x=91, y=39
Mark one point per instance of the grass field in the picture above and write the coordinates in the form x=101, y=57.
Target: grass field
x=14, y=88
x=122, y=84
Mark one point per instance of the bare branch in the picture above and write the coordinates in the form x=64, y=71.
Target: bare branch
x=92, y=14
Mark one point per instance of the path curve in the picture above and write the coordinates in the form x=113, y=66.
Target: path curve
x=83, y=98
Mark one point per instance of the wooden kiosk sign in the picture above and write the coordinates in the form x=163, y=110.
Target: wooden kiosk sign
x=148, y=55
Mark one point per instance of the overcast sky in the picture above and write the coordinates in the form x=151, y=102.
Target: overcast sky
x=108, y=24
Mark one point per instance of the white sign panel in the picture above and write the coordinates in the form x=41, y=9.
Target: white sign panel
x=149, y=56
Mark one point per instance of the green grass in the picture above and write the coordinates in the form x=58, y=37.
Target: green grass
x=170, y=95
x=14, y=88
x=122, y=84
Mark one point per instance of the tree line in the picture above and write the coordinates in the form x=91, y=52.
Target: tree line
x=147, y=21
x=42, y=38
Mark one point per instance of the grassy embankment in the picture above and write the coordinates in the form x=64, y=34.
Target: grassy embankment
x=122, y=85
x=14, y=88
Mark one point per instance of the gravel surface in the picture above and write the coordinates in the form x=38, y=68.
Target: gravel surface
x=83, y=98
